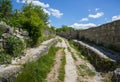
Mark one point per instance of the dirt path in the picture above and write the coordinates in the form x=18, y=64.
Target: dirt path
x=70, y=68
x=77, y=68
x=53, y=75
x=85, y=75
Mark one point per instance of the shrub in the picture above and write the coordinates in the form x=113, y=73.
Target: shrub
x=5, y=58
x=14, y=46
x=2, y=29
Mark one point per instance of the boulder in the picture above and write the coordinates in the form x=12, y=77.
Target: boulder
x=116, y=75
x=6, y=28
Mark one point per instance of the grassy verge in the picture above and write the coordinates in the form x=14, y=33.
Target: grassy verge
x=62, y=68
x=73, y=56
x=80, y=52
x=59, y=40
x=84, y=70
x=5, y=58
x=37, y=71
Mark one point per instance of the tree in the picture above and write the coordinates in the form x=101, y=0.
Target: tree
x=32, y=22
x=5, y=8
x=65, y=28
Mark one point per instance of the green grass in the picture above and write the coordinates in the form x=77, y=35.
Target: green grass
x=5, y=58
x=37, y=71
x=84, y=70
x=80, y=52
x=73, y=56
x=62, y=68
x=59, y=40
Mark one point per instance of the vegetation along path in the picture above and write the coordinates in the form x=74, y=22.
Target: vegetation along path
x=77, y=67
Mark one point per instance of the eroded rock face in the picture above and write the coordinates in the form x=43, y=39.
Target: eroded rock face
x=6, y=28
x=116, y=75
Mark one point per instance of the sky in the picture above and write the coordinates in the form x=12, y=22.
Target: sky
x=79, y=14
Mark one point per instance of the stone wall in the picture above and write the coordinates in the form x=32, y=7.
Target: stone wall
x=107, y=34
x=72, y=34
x=98, y=58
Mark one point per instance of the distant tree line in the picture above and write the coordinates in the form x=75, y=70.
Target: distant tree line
x=64, y=28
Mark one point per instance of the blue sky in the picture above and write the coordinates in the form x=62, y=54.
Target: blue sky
x=77, y=13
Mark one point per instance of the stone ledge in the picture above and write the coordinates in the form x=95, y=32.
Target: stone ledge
x=33, y=54
x=101, y=61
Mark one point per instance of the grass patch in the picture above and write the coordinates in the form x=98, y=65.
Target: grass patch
x=62, y=68
x=73, y=56
x=5, y=58
x=84, y=70
x=37, y=71
x=80, y=53
x=59, y=40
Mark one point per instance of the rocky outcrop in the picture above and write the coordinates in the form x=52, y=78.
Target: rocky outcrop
x=116, y=75
x=6, y=28
x=33, y=54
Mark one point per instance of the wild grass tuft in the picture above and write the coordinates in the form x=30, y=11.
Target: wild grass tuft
x=62, y=68
x=37, y=71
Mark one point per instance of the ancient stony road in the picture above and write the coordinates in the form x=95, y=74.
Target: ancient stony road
x=72, y=73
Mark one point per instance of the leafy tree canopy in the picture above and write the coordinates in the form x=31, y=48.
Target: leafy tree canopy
x=5, y=8
x=64, y=28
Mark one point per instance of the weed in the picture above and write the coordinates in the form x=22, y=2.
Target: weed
x=86, y=70
x=59, y=40
x=5, y=58
x=62, y=68
x=38, y=70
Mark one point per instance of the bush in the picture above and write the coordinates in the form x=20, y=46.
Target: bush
x=5, y=58
x=2, y=29
x=14, y=46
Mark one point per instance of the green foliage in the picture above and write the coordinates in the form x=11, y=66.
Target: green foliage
x=85, y=70
x=15, y=46
x=5, y=8
x=33, y=20
x=61, y=75
x=64, y=28
x=37, y=71
x=59, y=40
x=2, y=29
x=30, y=18
x=5, y=58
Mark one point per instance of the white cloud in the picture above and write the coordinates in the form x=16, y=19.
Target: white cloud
x=35, y=2
x=17, y=1
x=84, y=19
x=96, y=9
x=116, y=18
x=47, y=11
x=82, y=26
x=56, y=12
x=46, y=7
x=97, y=15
